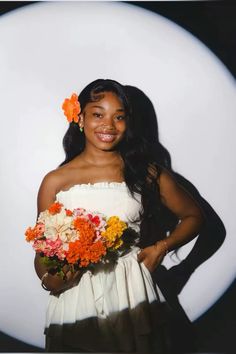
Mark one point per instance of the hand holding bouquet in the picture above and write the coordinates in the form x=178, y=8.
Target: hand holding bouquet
x=78, y=238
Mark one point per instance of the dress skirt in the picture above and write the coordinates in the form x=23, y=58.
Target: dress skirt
x=115, y=309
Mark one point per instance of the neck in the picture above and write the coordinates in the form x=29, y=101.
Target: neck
x=99, y=157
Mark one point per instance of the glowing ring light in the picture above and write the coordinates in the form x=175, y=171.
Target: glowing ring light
x=49, y=50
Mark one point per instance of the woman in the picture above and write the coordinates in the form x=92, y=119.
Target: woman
x=109, y=168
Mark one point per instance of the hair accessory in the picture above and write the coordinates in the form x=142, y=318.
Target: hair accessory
x=72, y=109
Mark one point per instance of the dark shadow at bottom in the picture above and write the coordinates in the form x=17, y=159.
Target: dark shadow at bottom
x=140, y=330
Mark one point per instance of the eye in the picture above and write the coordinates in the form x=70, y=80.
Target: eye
x=120, y=117
x=97, y=115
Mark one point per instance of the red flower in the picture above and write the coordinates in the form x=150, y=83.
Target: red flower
x=94, y=219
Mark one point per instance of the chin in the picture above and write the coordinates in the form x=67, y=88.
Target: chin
x=108, y=146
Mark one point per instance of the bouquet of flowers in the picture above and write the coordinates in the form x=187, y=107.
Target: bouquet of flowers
x=78, y=238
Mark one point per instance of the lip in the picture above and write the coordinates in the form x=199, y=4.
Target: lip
x=107, y=137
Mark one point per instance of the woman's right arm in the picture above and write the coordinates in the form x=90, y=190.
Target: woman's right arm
x=46, y=197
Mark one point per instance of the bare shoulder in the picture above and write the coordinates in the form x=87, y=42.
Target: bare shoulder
x=49, y=188
x=163, y=177
x=61, y=178
x=52, y=180
x=169, y=186
x=166, y=178
x=58, y=178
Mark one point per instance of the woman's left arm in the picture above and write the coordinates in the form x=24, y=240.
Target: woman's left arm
x=175, y=198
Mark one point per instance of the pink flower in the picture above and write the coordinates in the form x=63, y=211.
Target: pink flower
x=40, y=228
x=79, y=212
x=49, y=247
x=39, y=245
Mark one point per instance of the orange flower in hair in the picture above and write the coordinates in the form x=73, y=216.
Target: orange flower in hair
x=71, y=108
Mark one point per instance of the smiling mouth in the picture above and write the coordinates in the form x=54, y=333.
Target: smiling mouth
x=105, y=137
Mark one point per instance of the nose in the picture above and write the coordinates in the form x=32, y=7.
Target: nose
x=108, y=122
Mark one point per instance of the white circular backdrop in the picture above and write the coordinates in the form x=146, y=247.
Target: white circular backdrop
x=49, y=50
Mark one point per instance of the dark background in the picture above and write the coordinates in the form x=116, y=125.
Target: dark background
x=214, y=23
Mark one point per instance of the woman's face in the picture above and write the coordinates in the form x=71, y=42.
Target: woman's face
x=104, y=122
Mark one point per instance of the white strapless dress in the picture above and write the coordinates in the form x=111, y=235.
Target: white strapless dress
x=116, y=309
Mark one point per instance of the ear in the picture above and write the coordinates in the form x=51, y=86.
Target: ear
x=81, y=120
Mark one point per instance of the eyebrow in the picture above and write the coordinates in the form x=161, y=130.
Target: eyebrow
x=118, y=110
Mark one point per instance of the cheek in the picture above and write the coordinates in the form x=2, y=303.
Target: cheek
x=89, y=123
x=122, y=127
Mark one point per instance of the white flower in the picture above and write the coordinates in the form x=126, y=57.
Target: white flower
x=57, y=225
x=68, y=235
x=51, y=233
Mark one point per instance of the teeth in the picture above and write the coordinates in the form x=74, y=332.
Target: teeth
x=106, y=137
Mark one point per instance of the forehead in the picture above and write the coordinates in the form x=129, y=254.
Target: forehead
x=105, y=99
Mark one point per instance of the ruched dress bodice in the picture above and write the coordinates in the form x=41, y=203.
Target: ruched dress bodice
x=108, y=198
x=115, y=308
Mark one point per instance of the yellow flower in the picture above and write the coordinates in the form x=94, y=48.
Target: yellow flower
x=114, y=230
x=118, y=244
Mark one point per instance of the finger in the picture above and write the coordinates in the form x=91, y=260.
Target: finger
x=77, y=275
x=68, y=275
x=66, y=268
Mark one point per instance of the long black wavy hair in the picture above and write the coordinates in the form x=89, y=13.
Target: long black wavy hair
x=143, y=155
